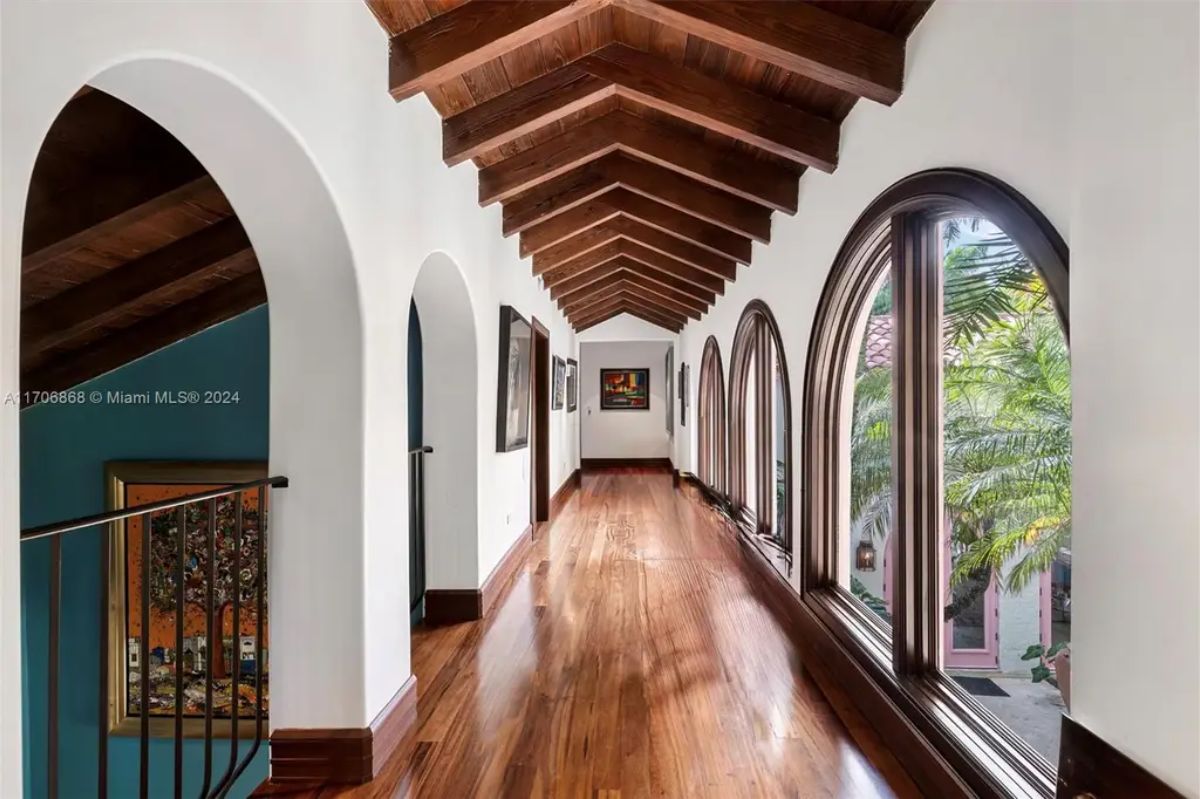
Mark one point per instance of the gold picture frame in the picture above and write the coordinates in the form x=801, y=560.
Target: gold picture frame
x=118, y=476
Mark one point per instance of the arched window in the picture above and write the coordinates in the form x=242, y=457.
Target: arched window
x=760, y=433
x=711, y=417
x=937, y=454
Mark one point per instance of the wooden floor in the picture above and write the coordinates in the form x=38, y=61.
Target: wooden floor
x=630, y=658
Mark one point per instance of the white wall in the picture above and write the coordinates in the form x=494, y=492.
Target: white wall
x=1135, y=326
x=256, y=89
x=623, y=434
x=1090, y=111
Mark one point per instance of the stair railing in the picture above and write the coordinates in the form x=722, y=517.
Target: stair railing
x=107, y=522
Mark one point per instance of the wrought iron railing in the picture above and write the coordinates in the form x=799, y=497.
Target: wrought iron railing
x=416, y=521
x=210, y=789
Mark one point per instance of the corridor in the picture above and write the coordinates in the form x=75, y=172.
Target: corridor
x=630, y=657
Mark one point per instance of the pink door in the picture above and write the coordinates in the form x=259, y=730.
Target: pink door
x=971, y=639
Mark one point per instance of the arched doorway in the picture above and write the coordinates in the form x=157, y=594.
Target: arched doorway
x=315, y=437
x=449, y=425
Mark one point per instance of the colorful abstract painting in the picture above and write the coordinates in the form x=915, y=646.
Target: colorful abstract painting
x=624, y=389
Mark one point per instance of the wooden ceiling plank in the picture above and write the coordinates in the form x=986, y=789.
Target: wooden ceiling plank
x=691, y=196
x=554, y=197
x=658, y=300
x=471, y=35
x=562, y=226
x=677, y=248
x=595, y=298
x=658, y=183
x=699, y=232
x=645, y=317
x=586, y=262
x=624, y=287
x=580, y=244
x=149, y=335
x=548, y=160
x=646, y=275
x=582, y=326
x=651, y=313
x=91, y=304
x=718, y=105
x=809, y=41
x=103, y=213
x=721, y=168
x=571, y=289
x=639, y=278
x=532, y=105
x=620, y=201
x=671, y=266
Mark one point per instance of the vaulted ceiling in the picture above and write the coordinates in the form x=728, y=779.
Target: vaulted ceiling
x=129, y=245
x=639, y=147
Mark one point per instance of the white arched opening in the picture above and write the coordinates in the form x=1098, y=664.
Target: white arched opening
x=316, y=558
x=450, y=425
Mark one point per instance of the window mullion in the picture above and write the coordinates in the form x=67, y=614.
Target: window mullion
x=916, y=441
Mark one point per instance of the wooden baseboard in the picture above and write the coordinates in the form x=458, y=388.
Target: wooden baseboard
x=504, y=572
x=608, y=463
x=1089, y=766
x=452, y=606
x=457, y=605
x=563, y=495
x=353, y=755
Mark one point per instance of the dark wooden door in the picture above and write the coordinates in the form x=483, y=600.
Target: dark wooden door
x=539, y=456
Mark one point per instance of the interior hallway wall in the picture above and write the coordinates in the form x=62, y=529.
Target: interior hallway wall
x=624, y=433
x=318, y=72
x=1067, y=103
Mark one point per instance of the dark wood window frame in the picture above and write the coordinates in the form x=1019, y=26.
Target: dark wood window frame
x=711, y=432
x=757, y=335
x=898, y=231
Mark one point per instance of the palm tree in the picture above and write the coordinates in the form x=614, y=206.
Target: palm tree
x=1007, y=419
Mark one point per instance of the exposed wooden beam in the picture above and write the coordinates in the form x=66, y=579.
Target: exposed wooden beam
x=624, y=287
x=584, y=263
x=634, y=281
x=570, y=222
x=671, y=266
x=471, y=35
x=721, y=168
x=599, y=309
x=666, y=186
x=587, y=284
x=620, y=201
x=577, y=245
x=583, y=301
x=555, y=196
x=523, y=110
x=793, y=36
x=644, y=278
x=149, y=335
x=685, y=194
x=633, y=303
x=595, y=320
x=80, y=219
x=640, y=272
x=674, y=327
x=88, y=305
x=718, y=105
x=624, y=227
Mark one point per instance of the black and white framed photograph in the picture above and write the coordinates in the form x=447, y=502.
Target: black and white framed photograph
x=558, y=394
x=572, y=385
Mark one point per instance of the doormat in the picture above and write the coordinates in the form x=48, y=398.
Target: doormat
x=980, y=686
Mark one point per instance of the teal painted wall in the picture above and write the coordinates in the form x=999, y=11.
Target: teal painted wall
x=63, y=451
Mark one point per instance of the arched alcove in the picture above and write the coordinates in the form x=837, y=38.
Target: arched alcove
x=316, y=340
x=450, y=427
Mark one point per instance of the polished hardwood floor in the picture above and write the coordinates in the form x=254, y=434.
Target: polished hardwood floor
x=631, y=657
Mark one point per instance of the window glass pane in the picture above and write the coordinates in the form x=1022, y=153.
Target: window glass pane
x=779, y=436
x=1007, y=482
x=748, y=433
x=867, y=546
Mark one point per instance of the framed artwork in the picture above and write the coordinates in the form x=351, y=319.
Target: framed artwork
x=513, y=383
x=669, y=371
x=558, y=395
x=572, y=385
x=684, y=372
x=624, y=389
x=133, y=483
